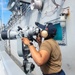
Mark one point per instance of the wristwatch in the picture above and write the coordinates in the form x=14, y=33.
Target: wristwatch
x=30, y=44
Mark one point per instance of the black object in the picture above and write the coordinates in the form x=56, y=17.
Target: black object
x=4, y=34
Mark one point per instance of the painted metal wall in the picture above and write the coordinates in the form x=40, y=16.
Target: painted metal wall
x=68, y=50
x=68, y=56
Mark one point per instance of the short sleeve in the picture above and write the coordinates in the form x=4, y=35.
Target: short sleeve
x=46, y=46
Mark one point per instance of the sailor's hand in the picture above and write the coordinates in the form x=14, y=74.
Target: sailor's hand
x=26, y=41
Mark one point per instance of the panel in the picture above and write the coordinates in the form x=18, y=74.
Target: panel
x=61, y=32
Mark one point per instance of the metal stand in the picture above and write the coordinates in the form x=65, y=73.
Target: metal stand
x=28, y=66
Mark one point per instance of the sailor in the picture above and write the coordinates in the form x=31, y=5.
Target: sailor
x=48, y=57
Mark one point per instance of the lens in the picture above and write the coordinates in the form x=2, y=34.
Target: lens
x=4, y=35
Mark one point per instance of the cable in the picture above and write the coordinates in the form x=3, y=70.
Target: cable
x=54, y=10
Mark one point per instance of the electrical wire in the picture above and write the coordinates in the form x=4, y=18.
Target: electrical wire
x=54, y=10
x=55, y=3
